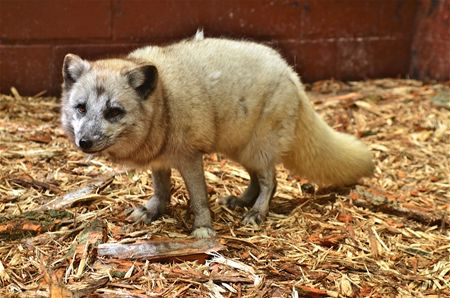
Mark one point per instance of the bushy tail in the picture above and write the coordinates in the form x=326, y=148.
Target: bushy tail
x=323, y=155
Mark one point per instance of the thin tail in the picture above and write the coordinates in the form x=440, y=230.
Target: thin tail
x=323, y=155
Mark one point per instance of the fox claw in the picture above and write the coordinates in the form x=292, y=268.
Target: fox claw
x=203, y=232
x=253, y=217
x=142, y=214
x=230, y=202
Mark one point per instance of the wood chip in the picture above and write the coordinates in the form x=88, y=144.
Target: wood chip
x=387, y=236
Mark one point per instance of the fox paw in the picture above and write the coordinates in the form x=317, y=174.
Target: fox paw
x=143, y=214
x=203, y=232
x=254, y=218
x=152, y=209
x=230, y=202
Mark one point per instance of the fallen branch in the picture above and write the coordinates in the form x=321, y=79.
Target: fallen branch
x=29, y=182
x=215, y=277
x=78, y=195
x=378, y=202
x=161, y=250
x=31, y=223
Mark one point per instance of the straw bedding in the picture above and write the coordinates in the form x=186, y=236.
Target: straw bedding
x=386, y=237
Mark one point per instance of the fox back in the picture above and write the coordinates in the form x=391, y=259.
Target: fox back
x=213, y=93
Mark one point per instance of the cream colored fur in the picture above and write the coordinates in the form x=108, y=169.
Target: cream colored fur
x=209, y=95
x=322, y=154
x=280, y=123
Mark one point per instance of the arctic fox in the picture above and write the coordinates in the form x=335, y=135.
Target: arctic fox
x=164, y=107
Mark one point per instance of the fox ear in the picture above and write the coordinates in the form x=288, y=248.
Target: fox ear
x=73, y=68
x=143, y=79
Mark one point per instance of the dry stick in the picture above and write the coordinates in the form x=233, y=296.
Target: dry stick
x=214, y=277
x=79, y=194
x=159, y=249
x=39, y=185
x=389, y=208
x=31, y=223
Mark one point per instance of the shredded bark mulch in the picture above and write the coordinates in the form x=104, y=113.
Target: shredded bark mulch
x=64, y=233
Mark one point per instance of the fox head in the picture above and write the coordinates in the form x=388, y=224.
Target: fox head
x=105, y=103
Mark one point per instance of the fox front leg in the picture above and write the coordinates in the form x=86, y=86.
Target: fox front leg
x=157, y=205
x=191, y=169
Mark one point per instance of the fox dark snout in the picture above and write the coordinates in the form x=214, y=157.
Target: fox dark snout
x=85, y=144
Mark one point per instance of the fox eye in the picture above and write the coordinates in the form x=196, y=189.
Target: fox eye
x=81, y=108
x=113, y=113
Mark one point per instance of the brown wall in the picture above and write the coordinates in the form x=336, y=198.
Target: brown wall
x=431, y=46
x=343, y=39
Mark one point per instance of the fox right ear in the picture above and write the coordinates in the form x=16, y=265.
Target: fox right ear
x=143, y=79
x=73, y=68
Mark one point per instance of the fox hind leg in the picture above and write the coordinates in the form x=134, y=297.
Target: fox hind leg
x=248, y=198
x=267, y=184
x=259, y=159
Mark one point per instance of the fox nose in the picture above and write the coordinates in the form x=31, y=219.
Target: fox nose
x=85, y=144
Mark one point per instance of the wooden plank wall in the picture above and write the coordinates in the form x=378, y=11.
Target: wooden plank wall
x=341, y=39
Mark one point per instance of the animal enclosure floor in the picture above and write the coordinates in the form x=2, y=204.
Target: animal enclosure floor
x=387, y=236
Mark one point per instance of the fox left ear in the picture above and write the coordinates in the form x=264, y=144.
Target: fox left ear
x=73, y=68
x=143, y=79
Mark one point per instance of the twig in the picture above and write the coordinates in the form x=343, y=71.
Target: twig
x=380, y=203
